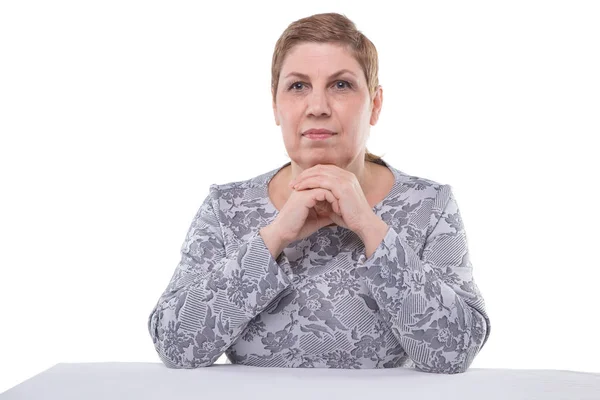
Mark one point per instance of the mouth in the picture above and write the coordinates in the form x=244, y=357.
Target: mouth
x=319, y=136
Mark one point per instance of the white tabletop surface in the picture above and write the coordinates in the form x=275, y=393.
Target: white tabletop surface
x=125, y=380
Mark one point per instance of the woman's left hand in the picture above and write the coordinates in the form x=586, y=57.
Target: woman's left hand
x=356, y=213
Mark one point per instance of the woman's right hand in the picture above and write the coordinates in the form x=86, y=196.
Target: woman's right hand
x=305, y=212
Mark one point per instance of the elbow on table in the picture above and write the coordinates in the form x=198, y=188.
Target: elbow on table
x=444, y=364
x=180, y=362
x=183, y=355
x=175, y=349
x=447, y=371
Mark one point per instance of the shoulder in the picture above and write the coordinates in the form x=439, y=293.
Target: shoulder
x=238, y=188
x=240, y=197
x=411, y=184
x=418, y=186
x=241, y=207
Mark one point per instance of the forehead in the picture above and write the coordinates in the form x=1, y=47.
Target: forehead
x=316, y=59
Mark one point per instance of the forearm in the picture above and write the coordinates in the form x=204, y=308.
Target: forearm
x=372, y=234
x=272, y=240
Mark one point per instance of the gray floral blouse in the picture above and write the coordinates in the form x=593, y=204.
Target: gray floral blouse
x=322, y=303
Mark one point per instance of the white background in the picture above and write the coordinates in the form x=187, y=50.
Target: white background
x=116, y=116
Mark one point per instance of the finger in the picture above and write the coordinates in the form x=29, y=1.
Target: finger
x=334, y=203
x=319, y=195
x=331, y=198
x=317, y=182
x=308, y=173
x=323, y=196
x=316, y=196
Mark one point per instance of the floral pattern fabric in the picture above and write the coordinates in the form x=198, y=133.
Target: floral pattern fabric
x=322, y=304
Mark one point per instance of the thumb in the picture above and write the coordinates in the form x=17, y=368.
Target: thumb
x=338, y=220
x=324, y=221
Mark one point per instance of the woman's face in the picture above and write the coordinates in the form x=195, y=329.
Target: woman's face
x=322, y=100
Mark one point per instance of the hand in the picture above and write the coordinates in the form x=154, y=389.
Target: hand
x=304, y=213
x=355, y=213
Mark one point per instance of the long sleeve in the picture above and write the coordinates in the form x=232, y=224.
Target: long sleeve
x=212, y=297
x=431, y=303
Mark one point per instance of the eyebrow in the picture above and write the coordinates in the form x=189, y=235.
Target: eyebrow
x=303, y=76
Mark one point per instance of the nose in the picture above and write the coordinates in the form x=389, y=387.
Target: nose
x=318, y=103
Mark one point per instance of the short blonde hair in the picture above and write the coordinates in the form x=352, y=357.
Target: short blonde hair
x=328, y=28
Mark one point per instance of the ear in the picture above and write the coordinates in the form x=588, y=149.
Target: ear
x=377, y=104
x=275, y=114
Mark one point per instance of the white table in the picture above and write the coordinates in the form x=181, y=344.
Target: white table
x=125, y=380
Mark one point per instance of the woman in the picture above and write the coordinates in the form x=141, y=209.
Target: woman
x=335, y=259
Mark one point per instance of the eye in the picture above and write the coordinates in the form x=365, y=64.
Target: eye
x=348, y=85
x=295, y=83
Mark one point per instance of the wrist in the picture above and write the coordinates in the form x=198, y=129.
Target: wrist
x=368, y=228
x=372, y=234
x=272, y=239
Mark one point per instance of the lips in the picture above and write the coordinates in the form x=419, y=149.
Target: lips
x=318, y=136
x=318, y=132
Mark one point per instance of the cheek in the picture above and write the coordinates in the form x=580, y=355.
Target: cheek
x=290, y=115
x=290, y=108
x=290, y=138
x=355, y=106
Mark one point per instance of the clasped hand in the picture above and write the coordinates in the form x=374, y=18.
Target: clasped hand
x=355, y=213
